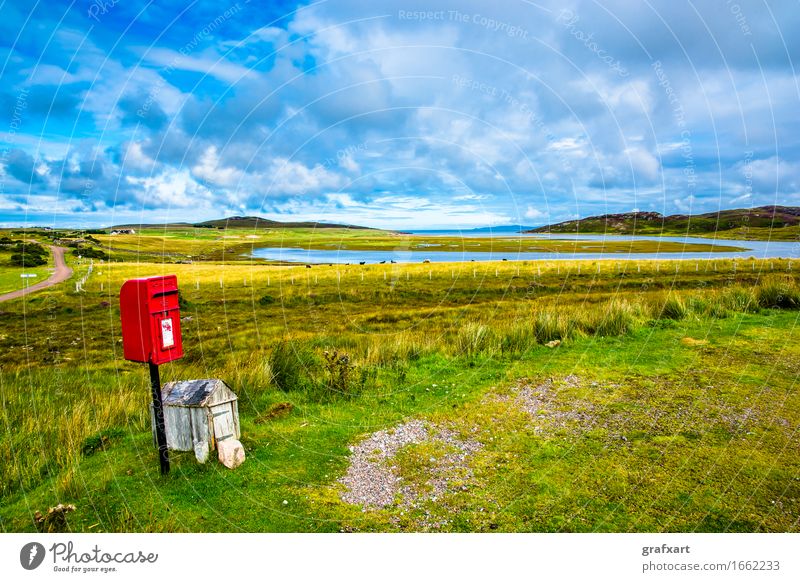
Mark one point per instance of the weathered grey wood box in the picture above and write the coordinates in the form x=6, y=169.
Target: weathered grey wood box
x=197, y=411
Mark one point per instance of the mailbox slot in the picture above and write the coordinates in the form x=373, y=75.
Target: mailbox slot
x=164, y=301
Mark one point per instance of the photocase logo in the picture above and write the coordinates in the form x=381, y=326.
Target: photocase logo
x=31, y=555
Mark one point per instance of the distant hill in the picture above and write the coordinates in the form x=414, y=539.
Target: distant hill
x=248, y=222
x=509, y=228
x=515, y=228
x=736, y=222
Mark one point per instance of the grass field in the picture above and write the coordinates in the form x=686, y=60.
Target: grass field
x=601, y=396
x=10, y=279
x=237, y=244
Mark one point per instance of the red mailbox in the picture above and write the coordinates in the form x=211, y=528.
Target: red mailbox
x=151, y=320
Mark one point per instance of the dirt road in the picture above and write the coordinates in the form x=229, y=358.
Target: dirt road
x=62, y=273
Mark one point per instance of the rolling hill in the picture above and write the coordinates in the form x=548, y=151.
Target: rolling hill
x=249, y=222
x=754, y=223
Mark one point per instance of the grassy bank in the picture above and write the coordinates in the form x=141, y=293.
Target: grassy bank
x=666, y=398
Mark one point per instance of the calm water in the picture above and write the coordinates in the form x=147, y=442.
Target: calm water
x=758, y=249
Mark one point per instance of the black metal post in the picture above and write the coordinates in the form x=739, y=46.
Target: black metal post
x=158, y=413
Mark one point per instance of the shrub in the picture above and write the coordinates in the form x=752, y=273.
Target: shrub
x=27, y=260
x=90, y=253
x=339, y=370
x=29, y=248
x=266, y=300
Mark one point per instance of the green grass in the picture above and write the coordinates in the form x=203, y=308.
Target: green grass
x=681, y=423
x=10, y=279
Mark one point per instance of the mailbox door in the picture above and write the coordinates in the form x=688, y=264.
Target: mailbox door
x=165, y=319
x=136, y=335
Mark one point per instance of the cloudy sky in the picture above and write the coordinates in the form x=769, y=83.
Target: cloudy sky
x=395, y=114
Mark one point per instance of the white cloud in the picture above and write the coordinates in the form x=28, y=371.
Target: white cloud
x=212, y=66
x=209, y=170
x=170, y=190
x=133, y=158
x=534, y=213
x=643, y=162
x=294, y=178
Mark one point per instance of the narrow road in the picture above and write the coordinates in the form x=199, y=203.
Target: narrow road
x=62, y=273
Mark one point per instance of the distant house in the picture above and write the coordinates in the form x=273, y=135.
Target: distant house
x=123, y=231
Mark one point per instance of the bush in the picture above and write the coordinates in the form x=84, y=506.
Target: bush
x=266, y=300
x=27, y=260
x=90, y=253
x=29, y=248
x=28, y=255
x=340, y=375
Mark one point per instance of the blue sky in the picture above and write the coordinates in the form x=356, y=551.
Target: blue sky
x=395, y=114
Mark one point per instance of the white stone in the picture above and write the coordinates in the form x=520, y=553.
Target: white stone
x=231, y=453
x=201, y=451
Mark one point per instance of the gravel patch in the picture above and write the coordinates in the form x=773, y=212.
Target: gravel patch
x=372, y=479
x=541, y=402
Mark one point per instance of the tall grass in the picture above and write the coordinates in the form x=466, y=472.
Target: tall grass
x=618, y=317
x=288, y=364
x=777, y=291
x=549, y=325
x=472, y=339
x=517, y=338
x=668, y=306
x=48, y=422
